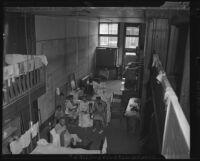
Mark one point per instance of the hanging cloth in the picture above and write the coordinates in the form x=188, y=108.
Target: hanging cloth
x=25, y=139
x=34, y=130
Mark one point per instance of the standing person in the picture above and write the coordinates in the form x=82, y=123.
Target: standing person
x=99, y=114
x=89, y=87
x=58, y=114
x=71, y=108
x=84, y=115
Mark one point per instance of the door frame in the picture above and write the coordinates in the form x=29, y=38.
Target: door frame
x=124, y=40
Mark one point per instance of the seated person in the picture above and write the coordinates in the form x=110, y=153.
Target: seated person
x=58, y=114
x=84, y=115
x=99, y=114
x=71, y=108
x=66, y=137
x=89, y=87
x=96, y=86
x=62, y=101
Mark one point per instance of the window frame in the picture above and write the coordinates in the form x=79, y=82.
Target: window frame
x=108, y=35
x=137, y=36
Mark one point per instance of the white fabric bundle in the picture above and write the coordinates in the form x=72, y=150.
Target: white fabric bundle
x=43, y=59
x=160, y=76
x=58, y=91
x=25, y=139
x=56, y=137
x=42, y=142
x=155, y=60
x=169, y=93
x=105, y=144
x=34, y=129
x=16, y=147
x=8, y=72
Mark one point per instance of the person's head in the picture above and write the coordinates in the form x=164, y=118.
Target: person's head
x=59, y=107
x=84, y=98
x=90, y=80
x=71, y=97
x=98, y=99
x=61, y=95
x=99, y=104
x=62, y=121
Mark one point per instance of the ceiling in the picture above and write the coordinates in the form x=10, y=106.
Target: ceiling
x=109, y=13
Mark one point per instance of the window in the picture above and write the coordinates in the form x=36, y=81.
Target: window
x=132, y=37
x=108, y=34
x=130, y=53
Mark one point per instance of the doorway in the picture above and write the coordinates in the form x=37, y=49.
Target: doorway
x=131, y=43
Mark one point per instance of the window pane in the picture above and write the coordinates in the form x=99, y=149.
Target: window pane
x=103, y=41
x=103, y=28
x=113, y=29
x=108, y=41
x=132, y=31
x=131, y=42
x=131, y=53
x=112, y=41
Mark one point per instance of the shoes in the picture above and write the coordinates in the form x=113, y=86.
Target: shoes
x=101, y=131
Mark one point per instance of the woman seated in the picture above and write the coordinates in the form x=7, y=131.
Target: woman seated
x=69, y=140
x=99, y=114
x=84, y=115
x=66, y=137
x=58, y=114
x=71, y=108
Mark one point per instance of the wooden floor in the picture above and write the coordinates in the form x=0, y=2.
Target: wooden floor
x=119, y=142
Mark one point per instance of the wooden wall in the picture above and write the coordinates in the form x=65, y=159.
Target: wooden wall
x=185, y=85
x=69, y=44
x=164, y=39
x=160, y=38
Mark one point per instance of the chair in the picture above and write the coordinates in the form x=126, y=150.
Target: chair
x=55, y=137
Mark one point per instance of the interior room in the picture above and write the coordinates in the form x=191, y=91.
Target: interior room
x=97, y=80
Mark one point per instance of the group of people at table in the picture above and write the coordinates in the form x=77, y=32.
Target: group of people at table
x=82, y=112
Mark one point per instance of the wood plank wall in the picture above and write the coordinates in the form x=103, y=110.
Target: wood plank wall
x=161, y=31
x=185, y=86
